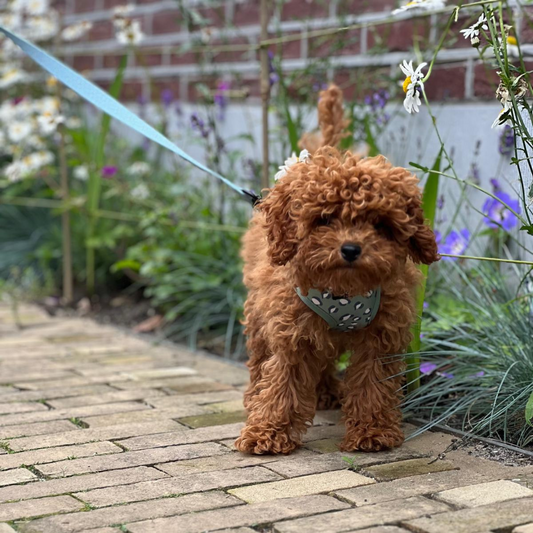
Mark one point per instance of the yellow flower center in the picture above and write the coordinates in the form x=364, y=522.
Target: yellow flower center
x=512, y=40
x=51, y=81
x=406, y=83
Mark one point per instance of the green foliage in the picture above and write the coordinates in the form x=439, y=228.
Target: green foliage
x=193, y=274
x=529, y=410
x=23, y=231
x=429, y=204
x=483, y=356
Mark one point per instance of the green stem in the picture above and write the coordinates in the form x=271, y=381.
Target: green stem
x=439, y=46
x=493, y=259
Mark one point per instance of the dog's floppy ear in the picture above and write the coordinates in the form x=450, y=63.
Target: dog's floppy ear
x=422, y=245
x=280, y=226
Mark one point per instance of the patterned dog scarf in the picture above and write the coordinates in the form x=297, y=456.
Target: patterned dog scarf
x=343, y=313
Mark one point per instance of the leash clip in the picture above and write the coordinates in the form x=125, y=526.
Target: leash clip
x=252, y=196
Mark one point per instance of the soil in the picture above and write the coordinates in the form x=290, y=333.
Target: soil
x=493, y=452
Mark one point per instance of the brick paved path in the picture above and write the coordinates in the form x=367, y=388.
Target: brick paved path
x=102, y=432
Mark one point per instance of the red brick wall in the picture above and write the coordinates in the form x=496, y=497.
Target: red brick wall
x=371, y=55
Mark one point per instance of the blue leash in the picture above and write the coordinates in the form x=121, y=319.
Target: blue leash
x=99, y=98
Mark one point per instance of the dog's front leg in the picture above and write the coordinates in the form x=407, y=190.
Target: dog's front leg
x=371, y=401
x=283, y=404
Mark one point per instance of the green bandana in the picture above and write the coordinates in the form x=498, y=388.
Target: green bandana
x=340, y=312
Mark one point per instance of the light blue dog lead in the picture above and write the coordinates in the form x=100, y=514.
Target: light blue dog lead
x=99, y=98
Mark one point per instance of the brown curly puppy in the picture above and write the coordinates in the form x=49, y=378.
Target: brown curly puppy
x=349, y=231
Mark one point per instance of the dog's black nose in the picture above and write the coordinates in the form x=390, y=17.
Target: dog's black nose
x=350, y=251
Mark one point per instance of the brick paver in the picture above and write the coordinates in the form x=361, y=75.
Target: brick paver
x=102, y=432
x=484, y=494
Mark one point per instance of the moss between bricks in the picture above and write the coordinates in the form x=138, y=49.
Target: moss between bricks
x=214, y=419
x=4, y=445
x=80, y=423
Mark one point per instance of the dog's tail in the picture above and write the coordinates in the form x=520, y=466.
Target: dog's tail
x=331, y=119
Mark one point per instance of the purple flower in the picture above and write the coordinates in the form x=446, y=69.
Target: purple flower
x=221, y=97
x=427, y=368
x=199, y=125
x=495, y=185
x=142, y=101
x=474, y=174
x=167, y=97
x=425, y=305
x=319, y=86
x=440, y=202
x=377, y=103
x=506, y=144
x=497, y=215
x=478, y=374
x=108, y=172
x=378, y=100
x=454, y=244
x=273, y=76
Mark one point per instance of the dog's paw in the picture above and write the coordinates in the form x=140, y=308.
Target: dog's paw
x=261, y=440
x=372, y=439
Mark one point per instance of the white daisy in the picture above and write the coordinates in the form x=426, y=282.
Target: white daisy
x=472, y=32
x=42, y=28
x=34, y=141
x=120, y=16
x=76, y=31
x=36, y=7
x=131, y=34
x=15, y=171
x=141, y=192
x=122, y=11
x=293, y=160
x=11, y=76
x=206, y=34
x=139, y=168
x=421, y=5
x=48, y=122
x=46, y=105
x=9, y=49
x=81, y=173
x=519, y=89
x=17, y=6
x=19, y=131
x=412, y=86
x=37, y=160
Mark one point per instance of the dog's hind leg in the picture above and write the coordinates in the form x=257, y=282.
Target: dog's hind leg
x=329, y=389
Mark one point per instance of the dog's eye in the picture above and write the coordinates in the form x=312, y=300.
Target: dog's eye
x=323, y=221
x=383, y=229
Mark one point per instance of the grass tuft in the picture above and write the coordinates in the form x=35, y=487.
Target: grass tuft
x=483, y=356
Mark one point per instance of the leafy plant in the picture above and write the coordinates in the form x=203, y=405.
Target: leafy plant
x=479, y=369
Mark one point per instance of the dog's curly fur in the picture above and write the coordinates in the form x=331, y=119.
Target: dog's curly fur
x=294, y=240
